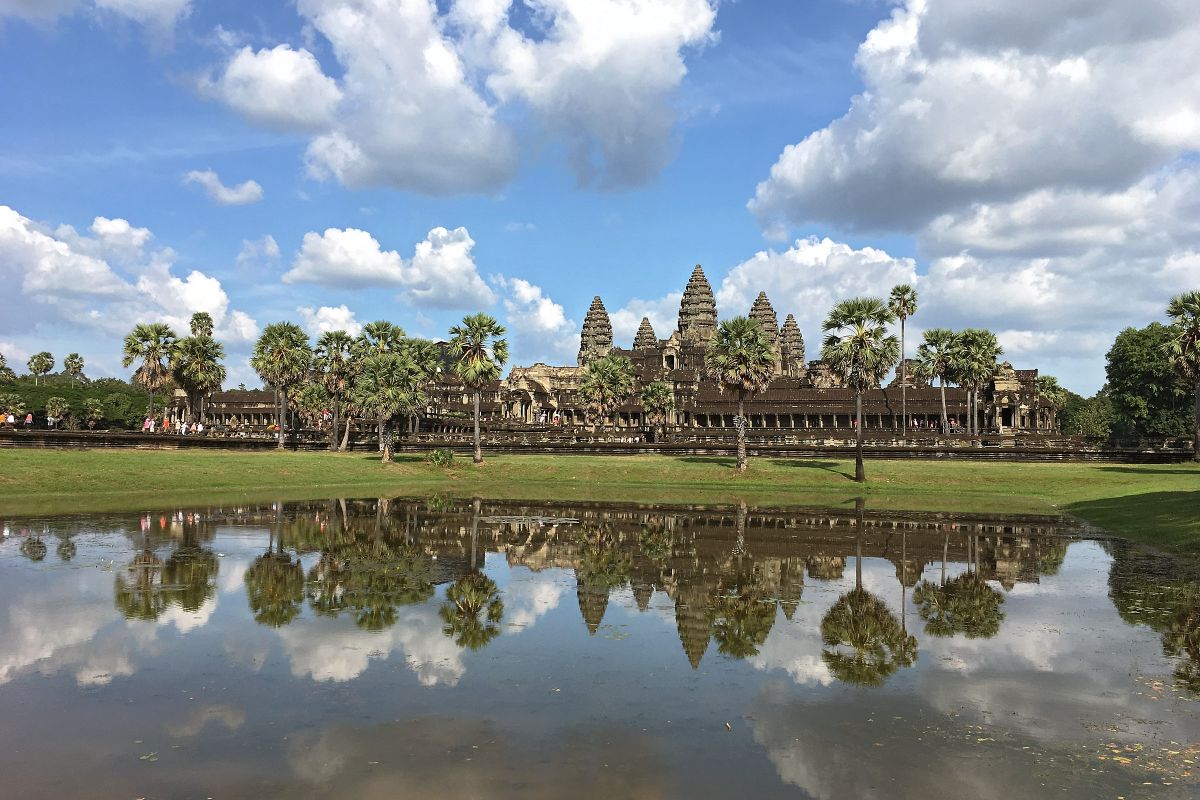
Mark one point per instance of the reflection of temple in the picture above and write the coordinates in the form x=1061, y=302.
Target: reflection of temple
x=725, y=575
x=805, y=395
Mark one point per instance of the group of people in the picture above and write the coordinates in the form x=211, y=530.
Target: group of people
x=10, y=421
x=152, y=425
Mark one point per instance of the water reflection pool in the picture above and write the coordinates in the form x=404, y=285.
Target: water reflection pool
x=375, y=648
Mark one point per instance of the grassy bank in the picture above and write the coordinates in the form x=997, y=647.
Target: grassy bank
x=1152, y=503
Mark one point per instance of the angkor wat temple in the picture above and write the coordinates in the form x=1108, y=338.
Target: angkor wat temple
x=803, y=395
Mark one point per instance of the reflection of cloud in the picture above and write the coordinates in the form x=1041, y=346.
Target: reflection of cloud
x=232, y=579
x=231, y=717
x=187, y=621
x=329, y=649
x=531, y=596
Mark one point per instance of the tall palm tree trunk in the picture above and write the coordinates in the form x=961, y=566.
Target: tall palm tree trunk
x=903, y=386
x=151, y=412
x=860, y=506
x=945, y=415
x=346, y=436
x=385, y=442
x=281, y=404
x=741, y=435
x=333, y=429
x=860, y=472
x=477, y=457
x=945, y=554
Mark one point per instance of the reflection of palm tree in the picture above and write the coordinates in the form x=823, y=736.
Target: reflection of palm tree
x=877, y=643
x=66, y=547
x=966, y=604
x=742, y=622
x=275, y=587
x=1181, y=638
x=472, y=611
x=191, y=573
x=877, y=646
x=371, y=577
x=33, y=548
x=139, y=590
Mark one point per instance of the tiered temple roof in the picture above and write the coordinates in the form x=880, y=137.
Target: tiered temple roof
x=645, y=338
x=697, y=310
x=596, y=340
x=791, y=348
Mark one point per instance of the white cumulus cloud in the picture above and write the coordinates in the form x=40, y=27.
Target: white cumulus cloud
x=279, y=87
x=441, y=273
x=246, y=192
x=537, y=325
x=329, y=318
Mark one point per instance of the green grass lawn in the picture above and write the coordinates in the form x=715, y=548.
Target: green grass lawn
x=1159, y=504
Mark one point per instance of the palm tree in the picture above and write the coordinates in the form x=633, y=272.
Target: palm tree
x=150, y=343
x=472, y=611
x=388, y=386
x=858, y=347
x=741, y=361
x=310, y=401
x=479, y=351
x=606, y=383
x=40, y=364
x=966, y=605
x=93, y=412
x=902, y=302
x=658, y=402
x=974, y=355
x=202, y=324
x=73, y=366
x=333, y=361
x=282, y=359
x=57, y=408
x=1183, y=349
x=197, y=369
x=382, y=336
x=935, y=359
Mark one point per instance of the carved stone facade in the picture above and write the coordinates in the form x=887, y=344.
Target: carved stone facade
x=791, y=348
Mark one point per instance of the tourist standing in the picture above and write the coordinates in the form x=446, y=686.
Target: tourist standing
x=28, y=421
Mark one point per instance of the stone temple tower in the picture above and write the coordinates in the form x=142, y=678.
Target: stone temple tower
x=697, y=310
x=645, y=339
x=597, y=339
x=762, y=313
x=791, y=349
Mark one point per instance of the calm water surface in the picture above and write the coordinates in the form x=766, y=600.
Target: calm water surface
x=374, y=648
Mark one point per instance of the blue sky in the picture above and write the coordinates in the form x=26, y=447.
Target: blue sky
x=1031, y=172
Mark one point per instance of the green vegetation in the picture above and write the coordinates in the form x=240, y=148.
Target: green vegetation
x=741, y=361
x=121, y=405
x=1159, y=504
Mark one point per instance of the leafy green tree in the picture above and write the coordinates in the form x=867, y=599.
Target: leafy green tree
x=310, y=401
x=388, y=386
x=73, y=366
x=58, y=408
x=479, y=351
x=1183, y=352
x=151, y=344
x=33, y=548
x=741, y=361
x=333, y=360
x=139, y=591
x=858, y=347
x=191, y=572
x=202, y=325
x=11, y=403
x=935, y=359
x=370, y=578
x=1053, y=394
x=1092, y=416
x=606, y=383
x=197, y=369
x=902, y=302
x=424, y=354
x=282, y=359
x=93, y=412
x=1150, y=397
x=40, y=364
x=6, y=373
x=973, y=364
x=658, y=401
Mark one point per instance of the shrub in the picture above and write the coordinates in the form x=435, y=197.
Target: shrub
x=442, y=457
